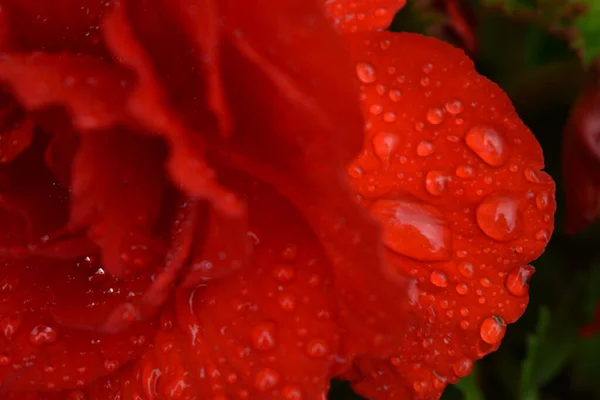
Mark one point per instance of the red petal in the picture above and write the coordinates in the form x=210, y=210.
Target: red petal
x=298, y=133
x=581, y=158
x=453, y=175
x=362, y=15
x=149, y=105
x=91, y=89
x=37, y=353
x=53, y=27
x=116, y=191
x=268, y=333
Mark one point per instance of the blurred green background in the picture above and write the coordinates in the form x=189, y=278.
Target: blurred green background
x=538, y=51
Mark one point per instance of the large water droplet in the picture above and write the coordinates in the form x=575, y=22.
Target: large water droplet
x=454, y=106
x=488, y=144
x=498, y=217
x=384, y=145
x=365, y=72
x=492, y=330
x=263, y=336
x=42, y=334
x=435, y=182
x=465, y=171
x=413, y=229
x=517, y=280
x=291, y=393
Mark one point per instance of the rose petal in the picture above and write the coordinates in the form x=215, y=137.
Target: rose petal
x=36, y=352
x=116, y=192
x=93, y=90
x=453, y=175
x=298, y=133
x=149, y=105
x=269, y=332
x=362, y=15
x=63, y=25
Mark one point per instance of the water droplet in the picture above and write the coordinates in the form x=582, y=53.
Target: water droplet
x=466, y=269
x=355, y=171
x=531, y=176
x=384, y=145
x=488, y=144
x=517, y=280
x=42, y=334
x=425, y=81
x=266, y=379
x=9, y=326
x=287, y=302
x=497, y=216
x=463, y=367
x=435, y=116
x=462, y=288
x=365, y=72
x=283, y=273
x=454, y=106
x=389, y=117
x=438, y=278
x=492, y=330
x=413, y=229
x=425, y=148
x=317, y=348
x=542, y=235
x=541, y=201
x=291, y=393
x=375, y=109
x=465, y=171
x=263, y=336
x=435, y=182
x=395, y=95
x=427, y=68
x=291, y=250
x=421, y=386
x=111, y=365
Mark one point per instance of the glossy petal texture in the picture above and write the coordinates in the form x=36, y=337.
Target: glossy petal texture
x=37, y=352
x=362, y=15
x=267, y=333
x=117, y=188
x=454, y=177
x=581, y=157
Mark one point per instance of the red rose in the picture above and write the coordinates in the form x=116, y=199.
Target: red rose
x=178, y=220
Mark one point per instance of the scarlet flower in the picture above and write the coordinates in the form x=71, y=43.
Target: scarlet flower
x=177, y=220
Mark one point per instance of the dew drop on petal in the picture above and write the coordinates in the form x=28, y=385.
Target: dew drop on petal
x=395, y=95
x=435, y=183
x=454, y=106
x=263, y=336
x=462, y=288
x=488, y=144
x=463, y=367
x=438, y=278
x=365, y=72
x=317, y=348
x=425, y=148
x=413, y=229
x=266, y=379
x=492, y=330
x=466, y=269
x=283, y=273
x=542, y=235
x=291, y=393
x=465, y=171
x=9, y=326
x=42, y=334
x=498, y=217
x=384, y=145
x=517, y=280
x=435, y=116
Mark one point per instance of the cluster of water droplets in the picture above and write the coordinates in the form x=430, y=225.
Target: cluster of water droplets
x=498, y=215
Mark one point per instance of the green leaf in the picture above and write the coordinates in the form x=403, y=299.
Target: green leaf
x=588, y=28
x=469, y=387
x=549, y=350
